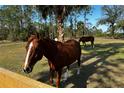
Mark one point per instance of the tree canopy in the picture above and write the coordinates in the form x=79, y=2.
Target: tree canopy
x=17, y=22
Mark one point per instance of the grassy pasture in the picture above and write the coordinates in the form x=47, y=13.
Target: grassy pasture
x=102, y=66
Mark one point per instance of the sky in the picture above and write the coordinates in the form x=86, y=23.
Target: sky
x=96, y=15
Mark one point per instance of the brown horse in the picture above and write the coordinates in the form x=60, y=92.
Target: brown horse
x=85, y=39
x=58, y=54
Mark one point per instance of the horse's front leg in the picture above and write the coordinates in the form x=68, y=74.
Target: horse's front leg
x=92, y=44
x=51, y=72
x=59, y=73
x=51, y=76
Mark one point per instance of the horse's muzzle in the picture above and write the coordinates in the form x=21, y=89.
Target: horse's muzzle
x=27, y=70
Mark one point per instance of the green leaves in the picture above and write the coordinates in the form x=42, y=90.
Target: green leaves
x=111, y=15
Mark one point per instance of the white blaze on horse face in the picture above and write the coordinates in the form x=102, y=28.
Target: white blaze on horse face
x=27, y=56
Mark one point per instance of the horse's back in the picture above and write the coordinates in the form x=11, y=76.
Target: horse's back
x=86, y=38
x=71, y=42
x=71, y=47
x=91, y=38
x=69, y=50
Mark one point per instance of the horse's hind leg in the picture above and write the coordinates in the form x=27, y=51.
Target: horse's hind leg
x=66, y=74
x=92, y=44
x=59, y=72
x=51, y=76
x=78, y=70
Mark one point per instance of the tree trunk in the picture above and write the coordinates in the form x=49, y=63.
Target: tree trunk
x=83, y=32
x=84, y=26
x=112, y=31
x=51, y=29
x=75, y=23
x=123, y=30
x=60, y=30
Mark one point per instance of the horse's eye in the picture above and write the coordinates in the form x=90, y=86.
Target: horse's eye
x=36, y=52
x=36, y=55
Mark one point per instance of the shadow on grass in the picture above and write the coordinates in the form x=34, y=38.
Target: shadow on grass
x=82, y=80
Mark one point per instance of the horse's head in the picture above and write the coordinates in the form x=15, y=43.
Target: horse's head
x=34, y=53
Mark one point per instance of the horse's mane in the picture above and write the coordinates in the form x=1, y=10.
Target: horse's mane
x=32, y=37
x=55, y=44
x=50, y=41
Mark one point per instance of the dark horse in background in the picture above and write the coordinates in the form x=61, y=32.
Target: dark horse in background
x=58, y=54
x=85, y=39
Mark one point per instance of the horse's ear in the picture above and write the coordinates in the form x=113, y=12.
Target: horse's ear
x=37, y=35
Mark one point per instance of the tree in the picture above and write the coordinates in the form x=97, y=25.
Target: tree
x=18, y=20
x=86, y=11
x=120, y=25
x=61, y=12
x=81, y=28
x=111, y=16
x=97, y=32
x=15, y=21
x=10, y=18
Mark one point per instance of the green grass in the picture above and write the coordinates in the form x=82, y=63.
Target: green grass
x=102, y=66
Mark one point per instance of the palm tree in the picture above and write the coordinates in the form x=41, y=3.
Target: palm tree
x=111, y=16
x=61, y=12
x=120, y=25
x=81, y=28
